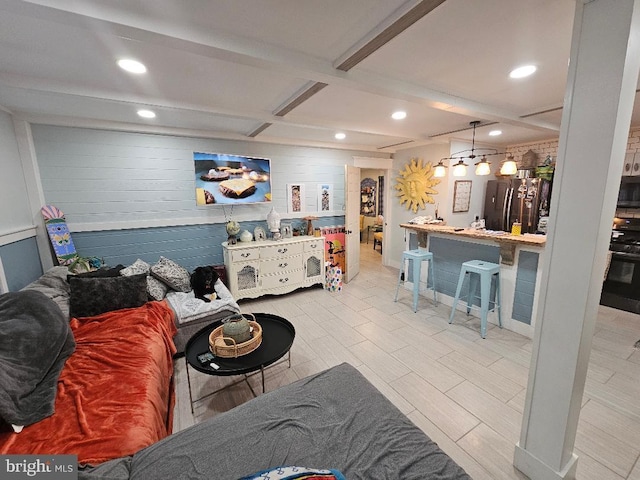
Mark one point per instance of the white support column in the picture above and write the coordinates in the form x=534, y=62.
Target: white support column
x=603, y=74
x=34, y=189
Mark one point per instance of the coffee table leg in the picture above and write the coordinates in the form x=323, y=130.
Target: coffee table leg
x=189, y=383
x=262, y=373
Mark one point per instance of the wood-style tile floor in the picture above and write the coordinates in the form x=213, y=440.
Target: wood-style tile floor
x=464, y=392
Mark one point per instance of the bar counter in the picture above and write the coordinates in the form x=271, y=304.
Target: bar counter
x=506, y=241
x=518, y=255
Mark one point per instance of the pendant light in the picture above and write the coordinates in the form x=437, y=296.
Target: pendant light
x=459, y=169
x=482, y=167
x=440, y=170
x=509, y=167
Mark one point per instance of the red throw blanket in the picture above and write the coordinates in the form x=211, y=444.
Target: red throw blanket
x=115, y=393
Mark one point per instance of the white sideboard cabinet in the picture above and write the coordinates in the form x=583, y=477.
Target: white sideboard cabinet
x=273, y=267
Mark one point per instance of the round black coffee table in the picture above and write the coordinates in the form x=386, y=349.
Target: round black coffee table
x=277, y=337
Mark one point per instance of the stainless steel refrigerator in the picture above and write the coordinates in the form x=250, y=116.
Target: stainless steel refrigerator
x=525, y=200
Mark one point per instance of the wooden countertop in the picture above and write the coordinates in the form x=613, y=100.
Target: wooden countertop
x=505, y=238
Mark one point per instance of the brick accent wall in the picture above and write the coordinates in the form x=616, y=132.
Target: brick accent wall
x=542, y=149
x=550, y=147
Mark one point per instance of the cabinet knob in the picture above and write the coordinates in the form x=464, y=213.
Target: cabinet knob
x=627, y=167
x=245, y=255
x=284, y=280
x=636, y=166
x=282, y=250
x=282, y=265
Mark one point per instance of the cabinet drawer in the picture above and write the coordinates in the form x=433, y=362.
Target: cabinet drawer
x=317, y=244
x=278, y=265
x=244, y=254
x=282, y=250
x=285, y=279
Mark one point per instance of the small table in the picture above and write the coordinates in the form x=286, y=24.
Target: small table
x=277, y=337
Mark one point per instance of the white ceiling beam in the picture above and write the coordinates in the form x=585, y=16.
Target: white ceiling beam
x=391, y=27
x=275, y=59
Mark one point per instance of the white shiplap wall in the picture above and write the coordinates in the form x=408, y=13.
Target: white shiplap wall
x=106, y=180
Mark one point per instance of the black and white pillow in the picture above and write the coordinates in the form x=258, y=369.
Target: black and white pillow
x=155, y=288
x=172, y=274
x=136, y=268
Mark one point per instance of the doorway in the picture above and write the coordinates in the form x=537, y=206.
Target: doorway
x=357, y=231
x=372, y=203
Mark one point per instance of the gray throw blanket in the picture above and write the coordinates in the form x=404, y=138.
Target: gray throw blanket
x=35, y=341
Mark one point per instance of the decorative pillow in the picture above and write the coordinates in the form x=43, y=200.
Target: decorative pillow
x=95, y=295
x=137, y=267
x=36, y=340
x=293, y=473
x=175, y=276
x=156, y=289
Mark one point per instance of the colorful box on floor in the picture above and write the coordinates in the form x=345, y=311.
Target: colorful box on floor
x=333, y=278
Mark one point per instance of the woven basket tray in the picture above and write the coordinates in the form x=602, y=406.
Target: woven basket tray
x=226, y=347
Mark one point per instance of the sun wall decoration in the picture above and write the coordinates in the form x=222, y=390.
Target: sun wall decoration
x=415, y=185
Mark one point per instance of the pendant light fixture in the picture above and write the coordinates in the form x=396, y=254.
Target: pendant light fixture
x=460, y=169
x=509, y=166
x=440, y=170
x=483, y=167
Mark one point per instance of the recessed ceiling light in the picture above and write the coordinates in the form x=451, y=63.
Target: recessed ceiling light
x=399, y=115
x=523, y=71
x=146, y=114
x=132, y=66
x=340, y=136
x=495, y=133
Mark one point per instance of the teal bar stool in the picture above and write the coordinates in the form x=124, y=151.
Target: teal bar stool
x=485, y=272
x=416, y=257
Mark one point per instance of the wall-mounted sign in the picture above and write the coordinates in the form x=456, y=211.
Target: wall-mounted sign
x=461, y=196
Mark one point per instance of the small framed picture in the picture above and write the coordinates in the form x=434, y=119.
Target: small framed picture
x=259, y=234
x=287, y=230
x=295, y=197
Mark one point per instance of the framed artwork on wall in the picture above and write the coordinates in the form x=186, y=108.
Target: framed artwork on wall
x=295, y=197
x=461, y=196
x=325, y=197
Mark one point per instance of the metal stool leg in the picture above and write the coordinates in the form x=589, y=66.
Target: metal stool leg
x=498, y=301
x=485, y=292
x=416, y=283
x=395, y=299
x=473, y=288
x=433, y=281
x=457, y=297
